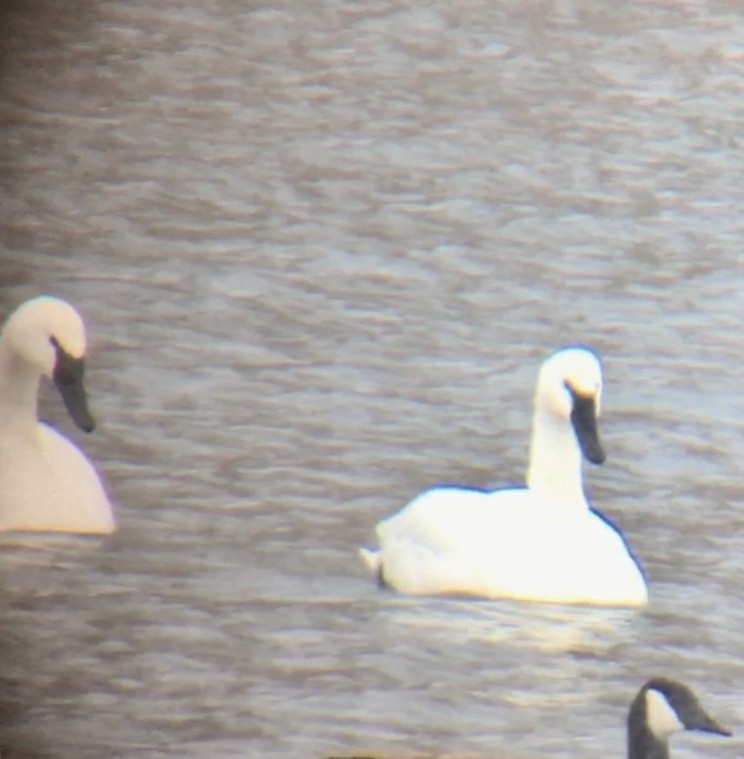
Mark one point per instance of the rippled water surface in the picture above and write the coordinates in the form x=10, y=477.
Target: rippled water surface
x=322, y=249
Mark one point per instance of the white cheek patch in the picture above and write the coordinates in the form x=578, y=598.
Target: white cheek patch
x=662, y=719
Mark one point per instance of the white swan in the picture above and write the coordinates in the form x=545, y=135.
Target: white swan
x=46, y=483
x=541, y=542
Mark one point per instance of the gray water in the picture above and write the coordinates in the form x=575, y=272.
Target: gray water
x=322, y=249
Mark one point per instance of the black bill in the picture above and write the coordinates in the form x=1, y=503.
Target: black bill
x=694, y=717
x=584, y=420
x=687, y=707
x=707, y=724
x=68, y=377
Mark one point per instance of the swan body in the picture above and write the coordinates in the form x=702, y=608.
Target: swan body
x=541, y=542
x=46, y=482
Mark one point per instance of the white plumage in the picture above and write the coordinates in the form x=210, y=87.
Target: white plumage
x=541, y=542
x=46, y=482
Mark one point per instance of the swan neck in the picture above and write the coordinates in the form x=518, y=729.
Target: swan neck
x=19, y=389
x=555, y=459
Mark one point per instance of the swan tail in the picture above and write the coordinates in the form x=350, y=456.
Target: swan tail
x=372, y=558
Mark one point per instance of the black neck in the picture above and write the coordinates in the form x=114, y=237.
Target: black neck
x=643, y=744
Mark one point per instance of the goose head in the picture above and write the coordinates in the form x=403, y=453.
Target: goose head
x=48, y=336
x=569, y=388
x=661, y=708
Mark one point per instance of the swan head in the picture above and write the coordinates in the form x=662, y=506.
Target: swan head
x=48, y=334
x=569, y=388
x=661, y=708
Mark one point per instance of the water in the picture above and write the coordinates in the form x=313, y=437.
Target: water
x=322, y=249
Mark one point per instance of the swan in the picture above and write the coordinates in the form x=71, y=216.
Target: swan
x=46, y=483
x=661, y=708
x=539, y=542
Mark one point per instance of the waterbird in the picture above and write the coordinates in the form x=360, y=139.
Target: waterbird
x=661, y=708
x=539, y=542
x=46, y=482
